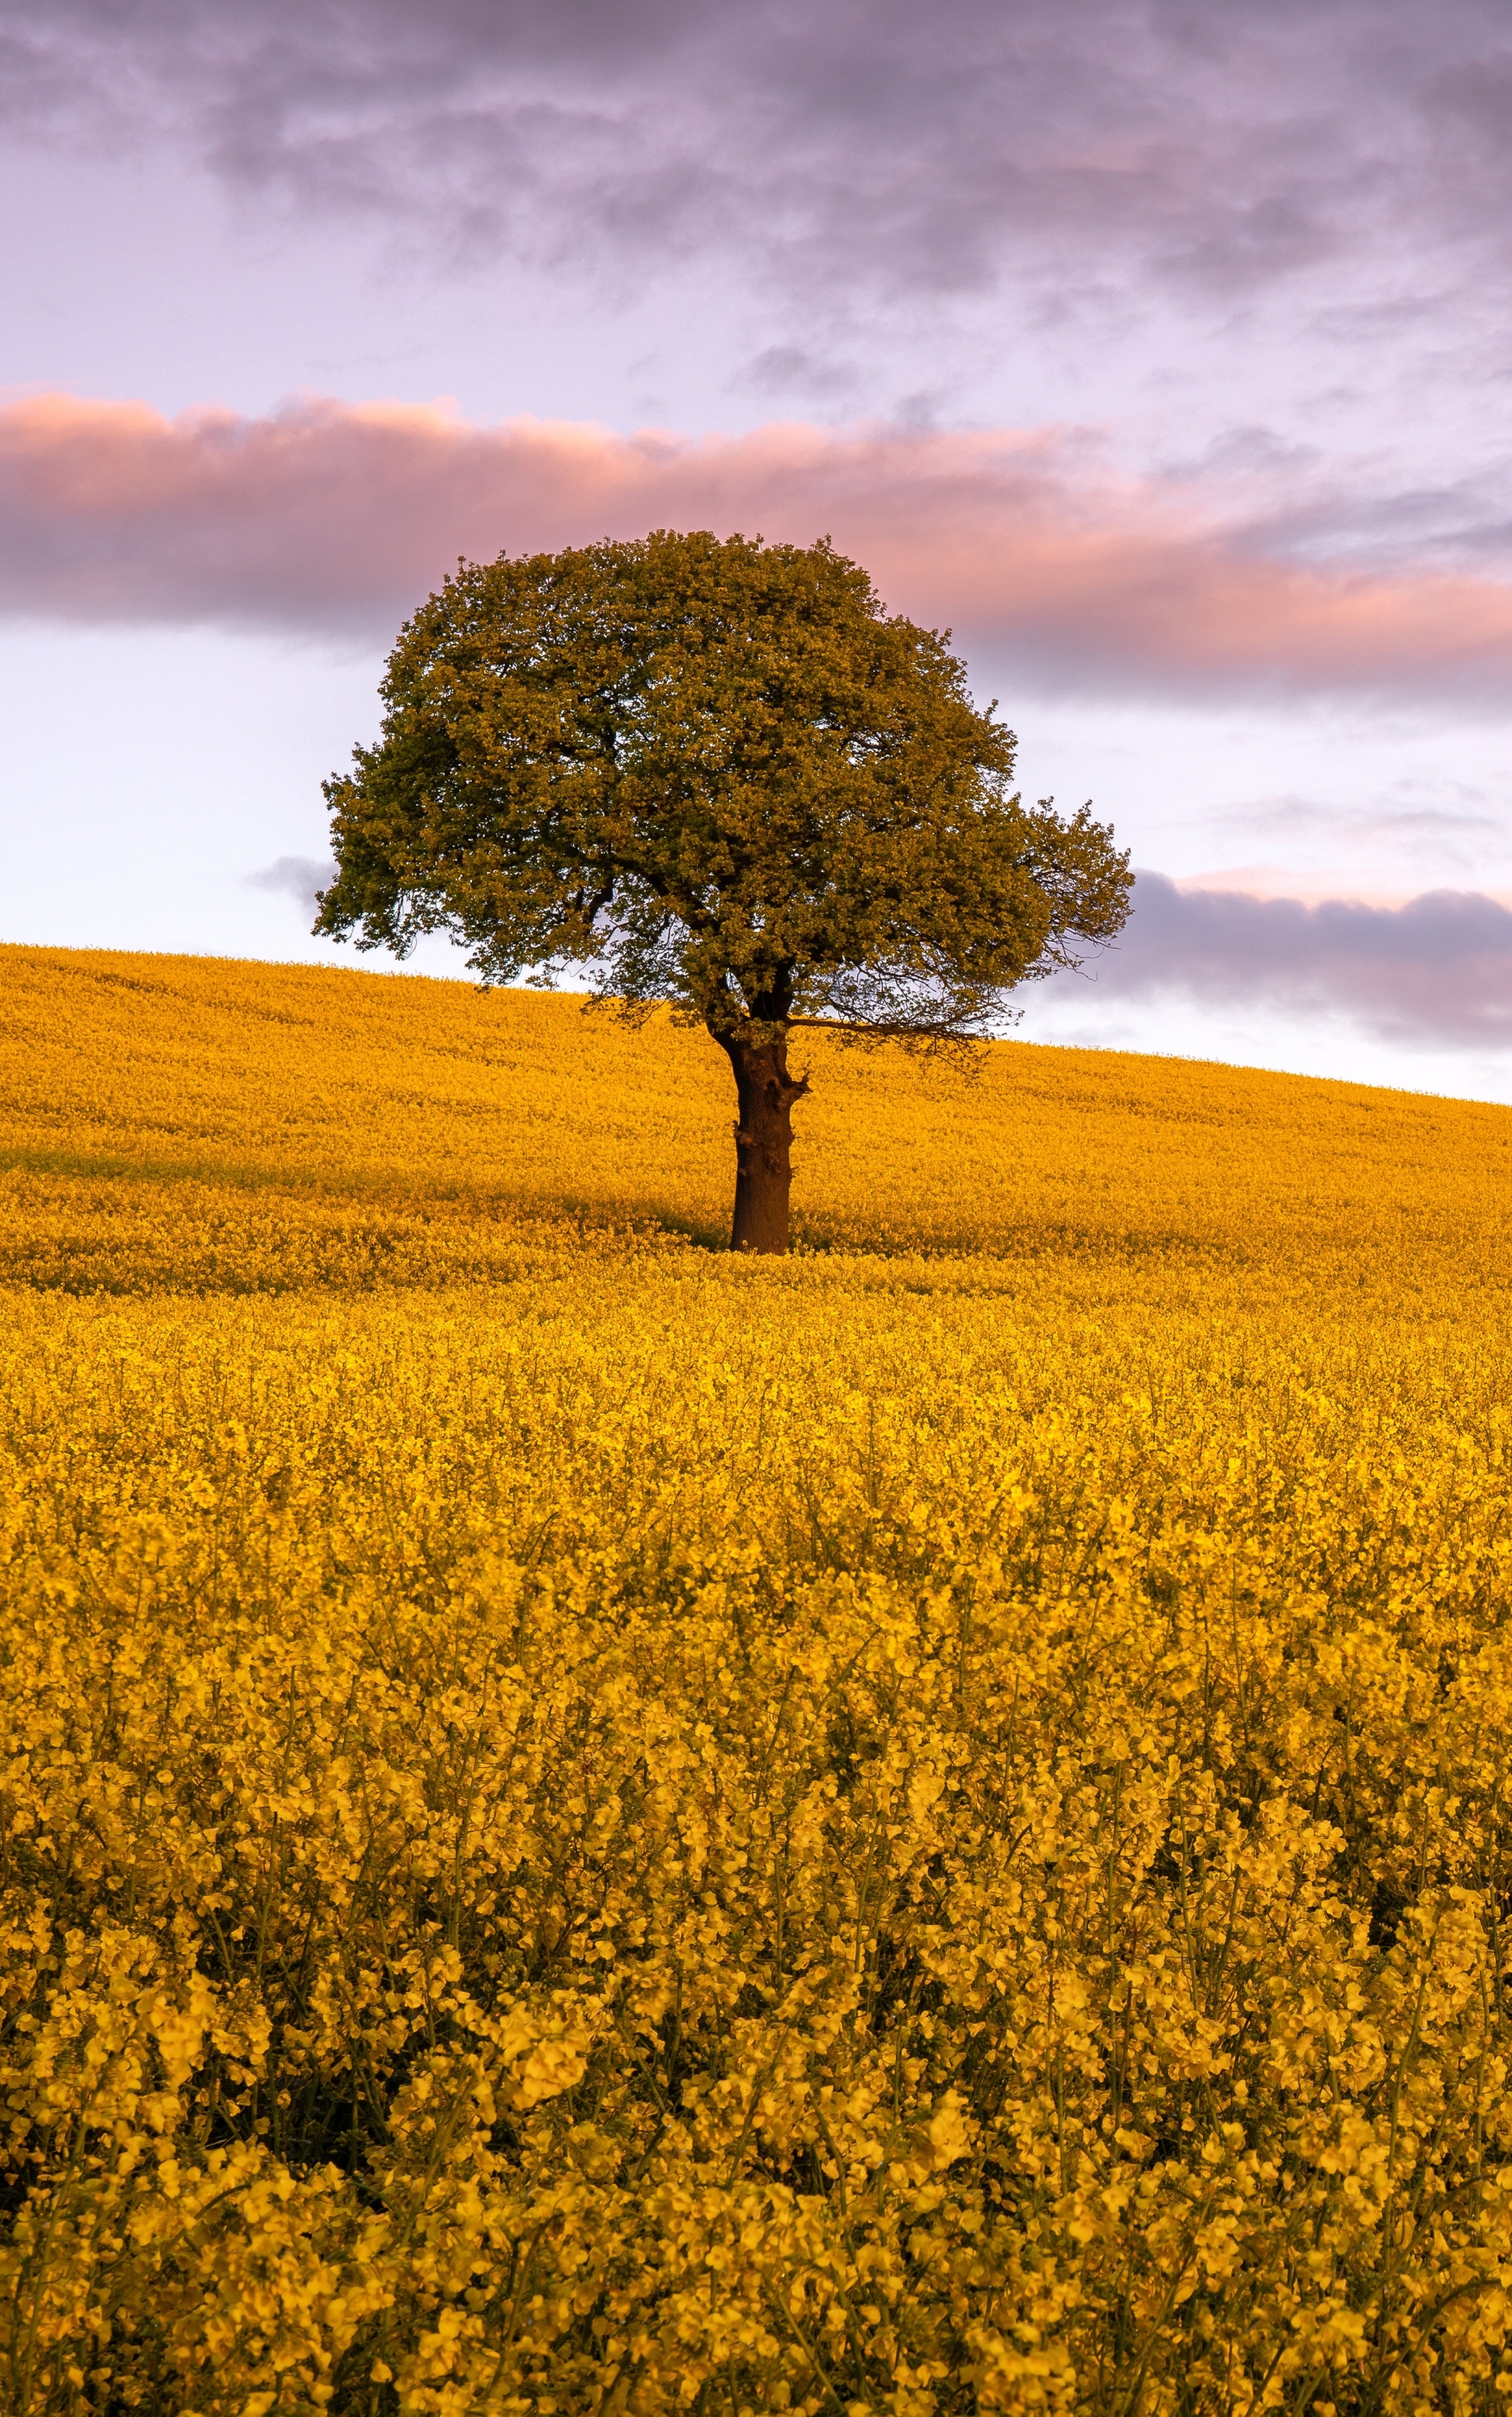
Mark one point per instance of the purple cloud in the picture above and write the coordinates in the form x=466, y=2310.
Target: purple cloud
x=1435, y=973
x=1220, y=148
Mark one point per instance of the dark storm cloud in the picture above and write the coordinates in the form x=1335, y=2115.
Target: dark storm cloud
x=1219, y=148
x=1435, y=973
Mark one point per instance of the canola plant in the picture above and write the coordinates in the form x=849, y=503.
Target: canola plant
x=593, y=1828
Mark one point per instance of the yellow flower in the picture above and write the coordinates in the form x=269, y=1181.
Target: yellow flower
x=587, y=1825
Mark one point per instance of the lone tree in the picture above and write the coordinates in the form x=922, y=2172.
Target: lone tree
x=719, y=774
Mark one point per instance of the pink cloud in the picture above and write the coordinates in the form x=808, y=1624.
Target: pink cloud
x=340, y=517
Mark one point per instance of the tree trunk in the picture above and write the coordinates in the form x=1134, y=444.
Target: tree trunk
x=764, y=1145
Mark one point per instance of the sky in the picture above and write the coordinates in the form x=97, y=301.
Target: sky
x=1161, y=352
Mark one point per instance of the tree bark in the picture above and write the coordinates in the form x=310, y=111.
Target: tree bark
x=764, y=1145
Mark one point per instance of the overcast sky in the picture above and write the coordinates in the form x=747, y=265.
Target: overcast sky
x=1163, y=351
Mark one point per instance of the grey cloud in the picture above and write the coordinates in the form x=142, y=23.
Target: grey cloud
x=1221, y=148
x=1435, y=973
x=298, y=877
x=1394, y=819
x=1460, y=525
x=790, y=369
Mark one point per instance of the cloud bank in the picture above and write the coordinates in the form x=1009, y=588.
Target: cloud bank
x=1435, y=973
x=1212, y=146
x=336, y=518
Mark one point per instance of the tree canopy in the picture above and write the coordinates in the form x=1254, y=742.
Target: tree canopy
x=717, y=773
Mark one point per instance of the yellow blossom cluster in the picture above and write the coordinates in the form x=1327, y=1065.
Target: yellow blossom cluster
x=590, y=1827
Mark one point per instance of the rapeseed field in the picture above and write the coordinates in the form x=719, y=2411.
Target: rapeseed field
x=594, y=1828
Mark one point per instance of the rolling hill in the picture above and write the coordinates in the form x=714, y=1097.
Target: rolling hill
x=588, y=1826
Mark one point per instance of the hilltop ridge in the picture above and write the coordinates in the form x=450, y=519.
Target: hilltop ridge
x=368, y=1090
